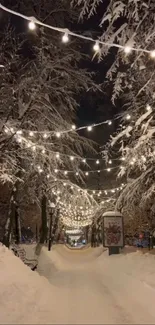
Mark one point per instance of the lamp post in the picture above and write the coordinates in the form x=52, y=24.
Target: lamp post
x=52, y=207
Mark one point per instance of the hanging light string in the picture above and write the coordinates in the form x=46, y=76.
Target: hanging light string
x=66, y=32
x=18, y=134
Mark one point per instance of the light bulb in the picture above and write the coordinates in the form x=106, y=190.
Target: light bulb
x=110, y=161
x=84, y=160
x=31, y=133
x=97, y=161
x=110, y=122
x=72, y=158
x=19, y=132
x=152, y=54
x=105, y=192
x=123, y=158
x=98, y=171
x=45, y=135
x=43, y=151
x=58, y=134
x=6, y=130
x=128, y=117
x=32, y=25
x=73, y=127
x=148, y=107
x=127, y=49
x=96, y=46
x=65, y=38
x=86, y=173
x=57, y=155
x=64, y=184
x=66, y=172
x=77, y=173
x=56, y=171
x=40, y=170
x=89, y=128
x=48, y=176
x=12, y=130
x=108, y=169
x=93, y=192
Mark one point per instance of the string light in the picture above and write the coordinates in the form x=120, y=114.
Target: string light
x=86, y=173
x=48, y=176
x=152, y=54
x=62, y=30
x=19, y=132
x=77, y=173
x=43, y=151
x=65, y=38
x=32, y=25
x=96, y=46
x=110, y=122
x=97, y=161
x=110, y=161
x=56, y=171
x=148, y=107
x=84, y=160
x=58, y=134
x=31, y=133
x=73, y=127
x=127, y=49
x=72, y=158
x=108, y=169
x=45, y=135
x=12, y=130
x=89, y=128
x=128, y=117
x=57, y=155
x=66, y=172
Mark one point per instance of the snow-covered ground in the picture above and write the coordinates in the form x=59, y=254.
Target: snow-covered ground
x=78, y=287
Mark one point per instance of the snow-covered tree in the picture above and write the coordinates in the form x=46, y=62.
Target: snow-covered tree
x=40, y=85
x=131, y=25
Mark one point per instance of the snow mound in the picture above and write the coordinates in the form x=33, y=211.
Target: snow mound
x=25, y=297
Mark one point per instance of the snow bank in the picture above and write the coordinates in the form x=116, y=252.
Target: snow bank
x=25, y=297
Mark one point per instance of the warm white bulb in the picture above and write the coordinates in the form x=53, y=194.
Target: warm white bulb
x=110, y=122
x=32, y=25
x=34, y=148
x=48, y=176
x=148, y=107
x=6, y=130
x=31, y=133
x=43, y=151
x=57, y=155
x=89, y=128
x=96, y=47
x=64, y=184
x=152, y=54
x=127, y=49
x=12, y=130
x=97, y=161
x=66, y=172
x=72, y=158
x=77, y=173
x=98, y=171
x=45, y=135
x=86, y=173
x=128, y=117
x=73, y=127
x=108, y=169
x=19, y=132
x=65, y=38
x=84, y=160
x=58, y=134
x=110, y=161
x=56, y=170
x=123, y=158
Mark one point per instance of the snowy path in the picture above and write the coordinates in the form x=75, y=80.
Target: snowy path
x=94, y=292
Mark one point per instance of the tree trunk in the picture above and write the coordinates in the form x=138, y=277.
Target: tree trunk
x=17, y=227
x=10, y=219
x=44, y=229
